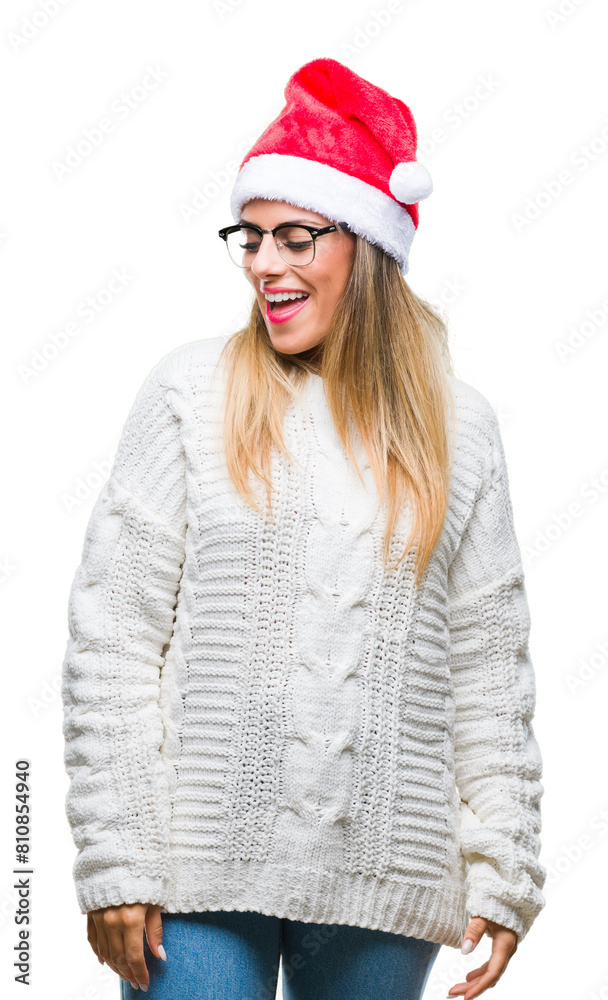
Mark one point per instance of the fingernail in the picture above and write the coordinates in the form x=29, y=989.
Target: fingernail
x=162, y=953
x=467, y=946
x=144, y=988
x=134, y=985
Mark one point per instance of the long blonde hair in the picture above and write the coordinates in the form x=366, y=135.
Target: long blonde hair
x=384, y=360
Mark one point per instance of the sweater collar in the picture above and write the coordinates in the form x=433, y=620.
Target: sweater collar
x=327, y=437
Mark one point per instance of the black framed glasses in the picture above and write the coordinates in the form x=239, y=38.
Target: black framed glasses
x=295, y=243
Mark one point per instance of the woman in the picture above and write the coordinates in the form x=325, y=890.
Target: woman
x=303, y=728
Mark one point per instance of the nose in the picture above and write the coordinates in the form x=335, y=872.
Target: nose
x=268, y=260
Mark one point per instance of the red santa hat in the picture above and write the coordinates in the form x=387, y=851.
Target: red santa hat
x=344, y=148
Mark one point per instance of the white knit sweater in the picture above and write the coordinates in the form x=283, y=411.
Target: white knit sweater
x=258, y=717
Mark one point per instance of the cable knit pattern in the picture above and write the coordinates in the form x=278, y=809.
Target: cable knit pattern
x=257, y=716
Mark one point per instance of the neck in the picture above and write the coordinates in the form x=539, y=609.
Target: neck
x=313, y=357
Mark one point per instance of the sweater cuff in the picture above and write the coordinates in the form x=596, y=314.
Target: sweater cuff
x=483, y=904
x=114, y=887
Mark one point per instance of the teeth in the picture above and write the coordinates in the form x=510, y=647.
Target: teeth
x=281, y=296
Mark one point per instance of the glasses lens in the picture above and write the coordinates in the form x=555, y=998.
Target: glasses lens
x=243, y=245
x=295, y=244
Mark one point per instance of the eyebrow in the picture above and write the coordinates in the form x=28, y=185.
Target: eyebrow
x=290, y=222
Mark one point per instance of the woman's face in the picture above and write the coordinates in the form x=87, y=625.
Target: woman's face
x=323, y=280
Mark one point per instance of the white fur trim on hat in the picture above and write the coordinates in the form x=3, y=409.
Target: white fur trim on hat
x=320, y=188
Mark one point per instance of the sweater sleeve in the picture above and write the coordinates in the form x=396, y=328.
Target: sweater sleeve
x=120, y=617
x=498, y=764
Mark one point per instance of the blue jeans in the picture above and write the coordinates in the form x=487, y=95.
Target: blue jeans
x=234, y=955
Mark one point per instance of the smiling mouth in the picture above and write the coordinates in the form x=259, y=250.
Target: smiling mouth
x=286, y=304
x=279, y=312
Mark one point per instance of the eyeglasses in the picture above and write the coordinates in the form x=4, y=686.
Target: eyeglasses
x=296, y=244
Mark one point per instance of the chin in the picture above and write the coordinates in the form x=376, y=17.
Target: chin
x=293, y=344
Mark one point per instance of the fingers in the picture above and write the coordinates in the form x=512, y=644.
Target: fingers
x=120, y=941
x=473, y=934
x=133, y=942
x=103, y=948
x=92, y=936
x=154, y=931
x=504, y=945
x=479, y=983
x=476, y=973
x=126, y=946
x=460, y=988
x=488, y=974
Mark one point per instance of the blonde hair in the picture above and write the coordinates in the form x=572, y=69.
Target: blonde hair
x=385, y=360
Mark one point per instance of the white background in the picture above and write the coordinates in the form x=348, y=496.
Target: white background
x=517, y=92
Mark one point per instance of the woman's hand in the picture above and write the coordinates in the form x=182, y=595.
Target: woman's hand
x=504, y=945
x=116, y=936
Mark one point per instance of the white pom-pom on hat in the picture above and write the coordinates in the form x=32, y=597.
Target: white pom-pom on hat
x=410, y=182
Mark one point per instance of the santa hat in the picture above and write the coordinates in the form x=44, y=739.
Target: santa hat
x=344, y=148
